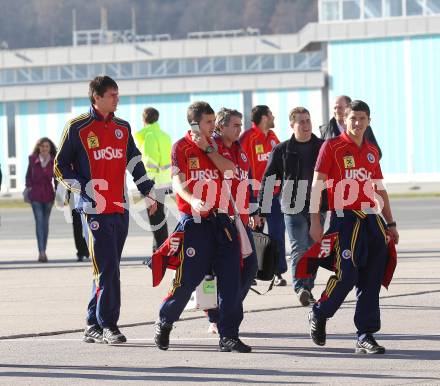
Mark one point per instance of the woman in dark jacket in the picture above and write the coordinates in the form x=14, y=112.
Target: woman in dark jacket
x=39, y=181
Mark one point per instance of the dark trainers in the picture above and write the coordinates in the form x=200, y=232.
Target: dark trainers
x=304, y=296
x=233, y=345
x=93, y=334
x=368, y=345
x=162, y=335
x=112, y=335
x=280, y=281
x=317, y=329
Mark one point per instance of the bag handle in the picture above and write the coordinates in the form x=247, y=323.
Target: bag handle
x=269, y=289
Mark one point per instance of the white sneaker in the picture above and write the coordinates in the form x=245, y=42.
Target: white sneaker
x=212, y=329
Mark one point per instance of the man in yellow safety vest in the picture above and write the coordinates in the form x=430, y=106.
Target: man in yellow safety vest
x=155, y=146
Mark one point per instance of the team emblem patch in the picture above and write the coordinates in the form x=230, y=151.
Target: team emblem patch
x=371, y=158
x=94, y=225
x=259, y=149
x=190, y=252
x=194, y=163
x=273, y=143
x=349, y=162
x=346, y=254
x=92, y=140
x=243, y=157
x=119, y=134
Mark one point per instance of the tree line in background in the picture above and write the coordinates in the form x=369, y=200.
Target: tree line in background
x=42, y=23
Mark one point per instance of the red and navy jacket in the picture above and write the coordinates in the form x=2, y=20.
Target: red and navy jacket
x=95, y=153
x=203, y=178
x=168, y=256
x=258, y=147
x=346, y=165
x=323, y=254
x=240, y=187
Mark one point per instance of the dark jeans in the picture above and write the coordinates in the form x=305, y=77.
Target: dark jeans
x=157, y=220
x=80, y=242
x=42, y=213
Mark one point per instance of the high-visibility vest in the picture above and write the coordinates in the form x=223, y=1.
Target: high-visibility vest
x=155, y=146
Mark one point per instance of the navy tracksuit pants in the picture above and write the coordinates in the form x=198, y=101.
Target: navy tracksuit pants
x=248, y=272
x=207, y=245
x=361, y=255
x=105, y=236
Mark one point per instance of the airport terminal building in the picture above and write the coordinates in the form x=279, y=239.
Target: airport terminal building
x=386, y=52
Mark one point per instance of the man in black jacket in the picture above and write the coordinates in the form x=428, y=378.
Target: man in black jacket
x=292, y=163
x=336, y=125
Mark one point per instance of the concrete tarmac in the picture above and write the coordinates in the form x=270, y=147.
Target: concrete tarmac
x=42, y=309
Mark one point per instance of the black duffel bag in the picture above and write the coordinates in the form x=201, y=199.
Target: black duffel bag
x=267, y=255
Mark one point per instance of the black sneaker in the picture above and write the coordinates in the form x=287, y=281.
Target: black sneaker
x=317, y=329
x=162, y=335
x=112, y=335
x=93, y=334
x=368, y=345
x=233, y=345
x=304, y=296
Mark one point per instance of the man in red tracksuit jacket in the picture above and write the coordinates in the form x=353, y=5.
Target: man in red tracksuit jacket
x=350, y=166
x=95, y=151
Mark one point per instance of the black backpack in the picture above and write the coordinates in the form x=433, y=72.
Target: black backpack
x=267, y=255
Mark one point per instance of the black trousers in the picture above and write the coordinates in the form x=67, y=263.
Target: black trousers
x=159, y=226
x=80, y=242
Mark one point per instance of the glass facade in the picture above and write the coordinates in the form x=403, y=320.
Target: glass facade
x=309, y=61
x=339, y=10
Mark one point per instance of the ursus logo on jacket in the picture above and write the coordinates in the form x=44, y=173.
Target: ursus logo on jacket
x=108, y=153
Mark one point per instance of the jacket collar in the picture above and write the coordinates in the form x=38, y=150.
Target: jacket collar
x=292, y=142
x=98, y=116
x=260, y=133
x=346, y=138
x=334, y=127
x=152, y=126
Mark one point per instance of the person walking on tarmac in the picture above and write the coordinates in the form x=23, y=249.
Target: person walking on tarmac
x=210, y=238
x=155, y=146
x=350, y=166
x=292, y=163
x=228, y=124
x=95, y=151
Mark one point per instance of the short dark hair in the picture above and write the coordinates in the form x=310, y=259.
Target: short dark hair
x=357, y=105
x=196, y=110
x=99, y=85
x=297, y=110
x=150, y=115
x=258, y=112
x=224, y=116
x=346, y=97
x=52, y=151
